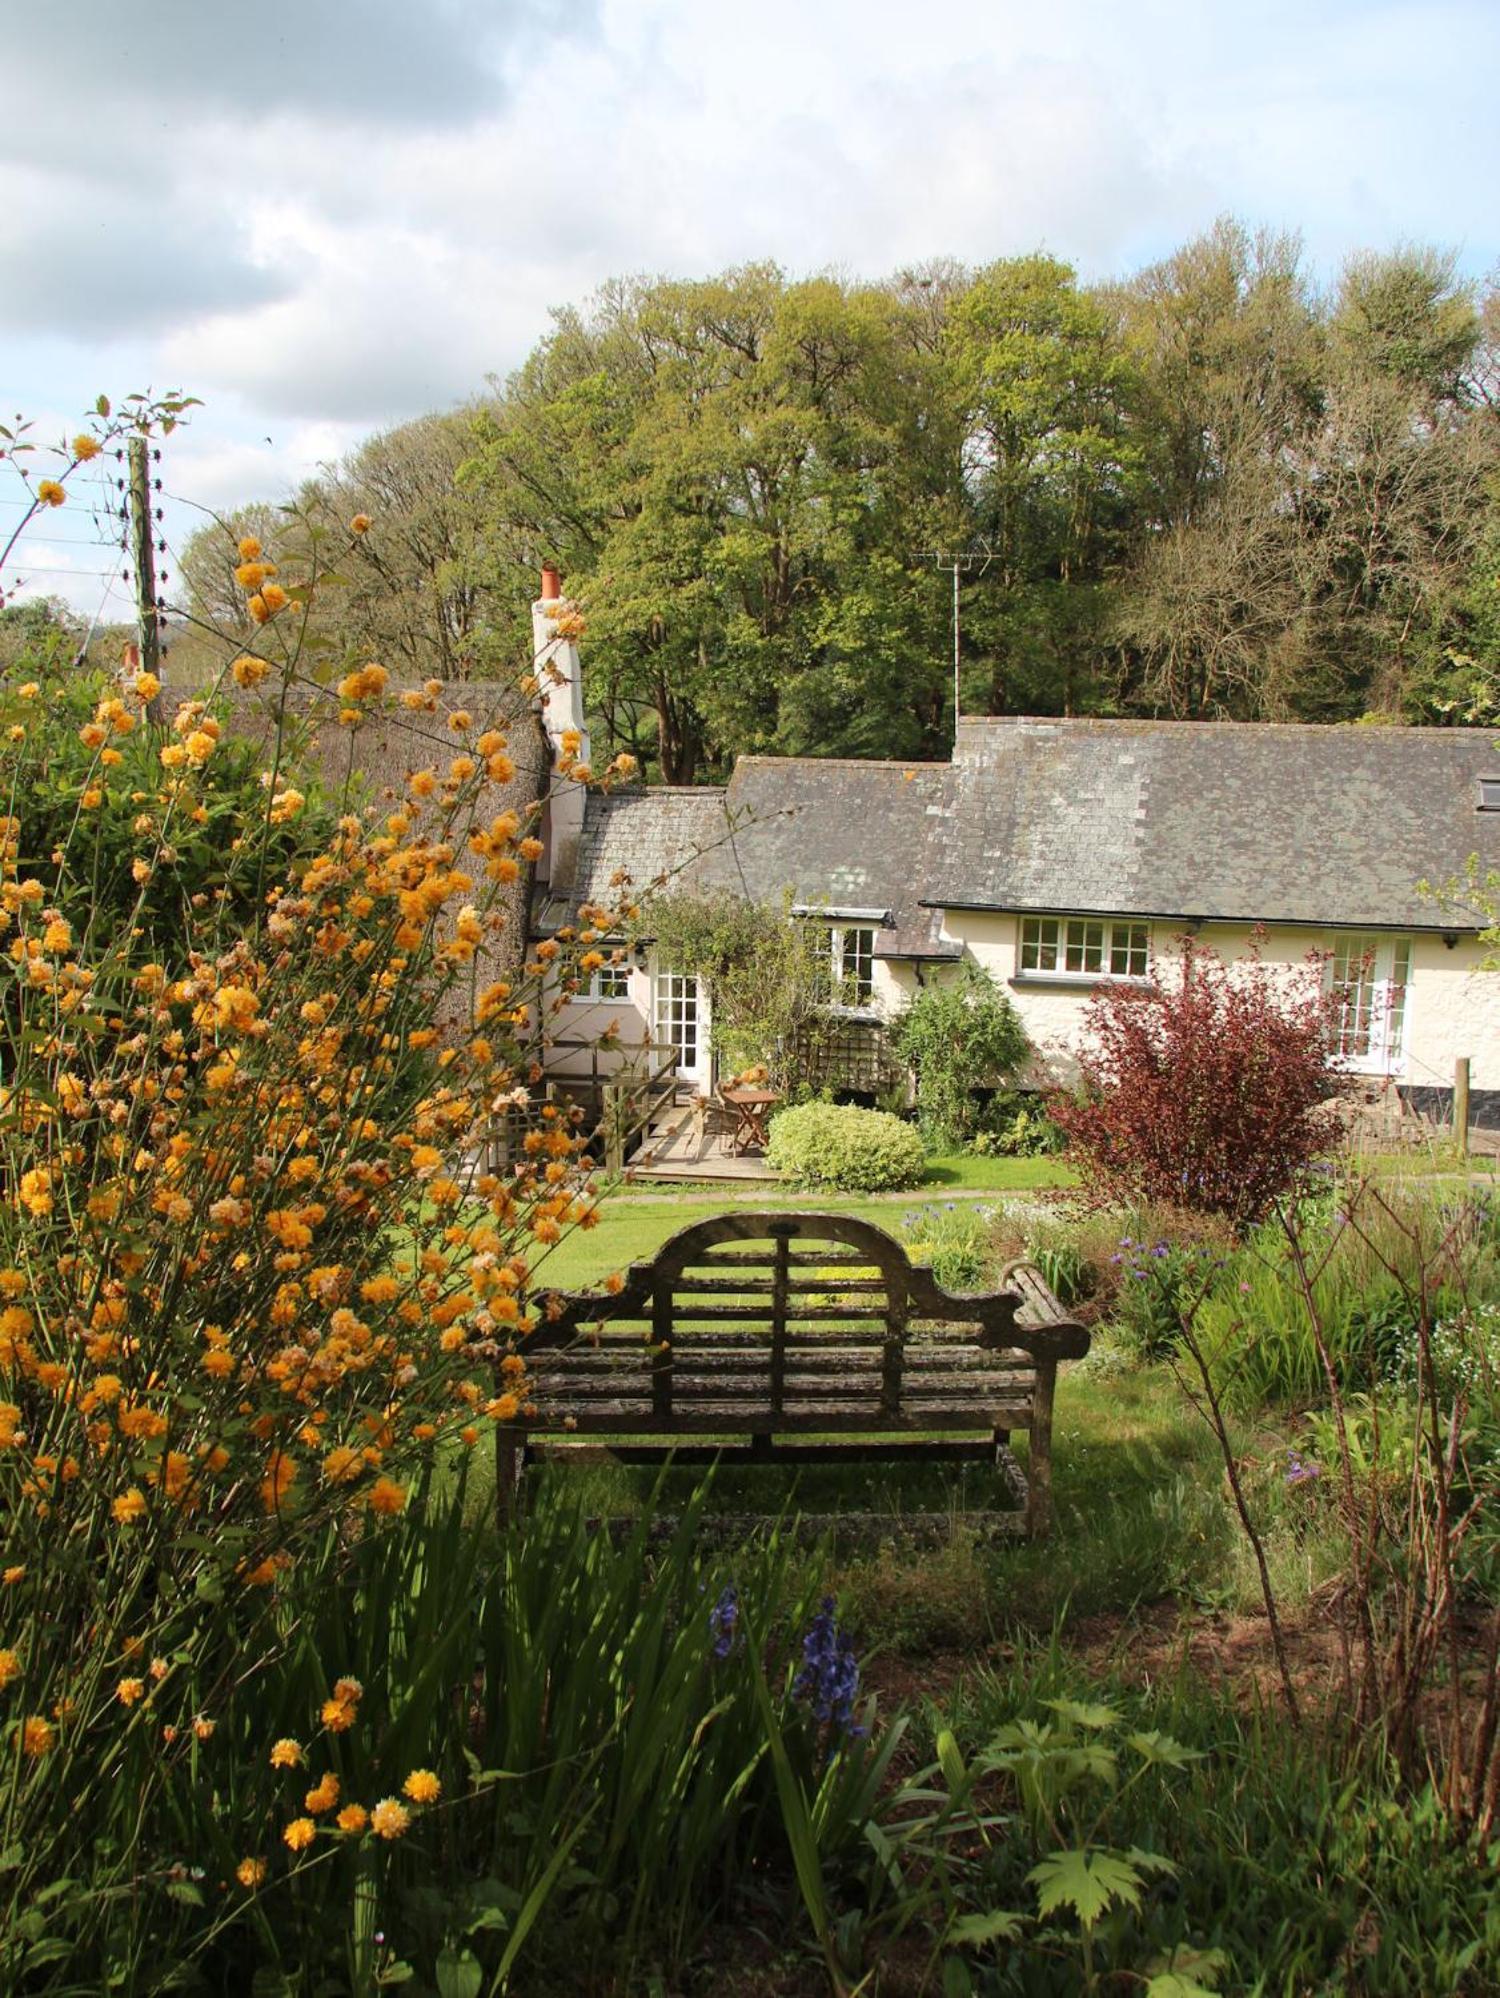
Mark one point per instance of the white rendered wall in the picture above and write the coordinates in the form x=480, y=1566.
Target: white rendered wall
x=1452, y=1006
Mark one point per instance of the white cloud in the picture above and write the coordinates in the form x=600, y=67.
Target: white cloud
x=323, y=221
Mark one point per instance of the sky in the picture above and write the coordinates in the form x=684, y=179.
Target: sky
x=323, y=219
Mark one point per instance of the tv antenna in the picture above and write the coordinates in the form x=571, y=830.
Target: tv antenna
x=958, y=562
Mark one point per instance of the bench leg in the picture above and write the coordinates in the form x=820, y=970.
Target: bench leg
x=510, y=1461
x=1039, y=1470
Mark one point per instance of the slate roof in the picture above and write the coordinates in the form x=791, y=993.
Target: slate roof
x=1233, y=821
x=646, y=840
x=832, y=835
x=839, y=835
x=1260, y=822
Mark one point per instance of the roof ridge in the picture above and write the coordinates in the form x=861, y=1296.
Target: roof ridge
x=848, y=762
x=1409, y=731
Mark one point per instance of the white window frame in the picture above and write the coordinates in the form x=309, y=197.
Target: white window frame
x=609, y=984
x=1371, y=971
x=1084, y=950
x=852, y=946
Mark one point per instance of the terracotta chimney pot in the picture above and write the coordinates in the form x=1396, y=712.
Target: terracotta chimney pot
x=551, y=584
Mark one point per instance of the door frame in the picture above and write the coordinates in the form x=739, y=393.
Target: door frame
x=671, y=1011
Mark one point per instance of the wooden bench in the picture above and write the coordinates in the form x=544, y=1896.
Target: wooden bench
x=799, y=1337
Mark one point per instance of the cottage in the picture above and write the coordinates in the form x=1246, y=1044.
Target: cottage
x=1063, y=854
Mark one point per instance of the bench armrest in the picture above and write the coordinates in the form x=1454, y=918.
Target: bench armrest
x=1041, y=1317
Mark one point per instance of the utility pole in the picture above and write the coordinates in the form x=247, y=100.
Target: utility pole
x=147, y=610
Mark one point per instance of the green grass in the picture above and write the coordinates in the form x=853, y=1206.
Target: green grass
x=633, y=1225
x=976, y=1175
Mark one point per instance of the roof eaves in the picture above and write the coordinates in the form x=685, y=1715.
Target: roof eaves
x=1303, y=922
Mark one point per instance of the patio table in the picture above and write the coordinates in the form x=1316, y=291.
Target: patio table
x=751, y=1108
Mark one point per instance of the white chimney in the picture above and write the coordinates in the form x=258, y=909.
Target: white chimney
x=559, y=678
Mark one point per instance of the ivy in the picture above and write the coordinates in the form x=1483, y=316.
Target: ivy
x=768, y=973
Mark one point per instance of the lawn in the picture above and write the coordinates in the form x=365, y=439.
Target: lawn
x=633, y=1224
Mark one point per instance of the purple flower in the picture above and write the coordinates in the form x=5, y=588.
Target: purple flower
x=829, y=1678
x=1301, y=1470
x=724, y=1621
x=1161, y=1249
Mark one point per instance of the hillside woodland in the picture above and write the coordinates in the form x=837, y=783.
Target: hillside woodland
x=1215, y=488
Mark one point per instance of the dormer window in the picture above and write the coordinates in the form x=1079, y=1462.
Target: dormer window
x=1489, y=795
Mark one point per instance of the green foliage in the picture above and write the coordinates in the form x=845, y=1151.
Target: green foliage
x=1159, y=1280
x=1016, y=1125
x=852, y=1151
x=1365, y=1283
x=959, y=1035
x=204, y=857
x=1214, y=1848
x=612, y=1770
x=769, y=976
x=954, y=1239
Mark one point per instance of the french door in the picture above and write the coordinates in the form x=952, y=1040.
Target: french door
x=682, y=1024
x=1370, y=974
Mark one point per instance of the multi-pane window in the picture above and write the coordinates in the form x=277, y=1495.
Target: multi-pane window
x=1370, y=975
x=853, y=965
x=1085, y=947
x=610, y=982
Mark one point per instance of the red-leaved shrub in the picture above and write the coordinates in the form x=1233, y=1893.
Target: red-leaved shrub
x=1210, y=1093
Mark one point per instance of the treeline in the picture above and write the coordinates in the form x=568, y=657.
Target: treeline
x=1213, y=489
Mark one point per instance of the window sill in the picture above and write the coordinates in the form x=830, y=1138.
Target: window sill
x=867, y=1015
x=1076, y=981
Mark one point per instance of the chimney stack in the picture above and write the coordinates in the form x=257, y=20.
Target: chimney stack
x=559, y=677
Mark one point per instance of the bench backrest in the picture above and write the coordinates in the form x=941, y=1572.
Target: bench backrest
x=785, y=1285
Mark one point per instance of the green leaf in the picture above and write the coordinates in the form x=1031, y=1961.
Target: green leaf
x=1086, y=1882
x=1154, y=1746
x=185, y=1891
x=1186, y=1973
x=1085, y=1713
x=999, y=1925
x=957, y=1983
x=951, y=1762
x=1150, y=1862
x=459, y=1974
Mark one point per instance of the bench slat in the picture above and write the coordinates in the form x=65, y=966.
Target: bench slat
x=803, y=1351
x=686, y=1387
x=709, y=1418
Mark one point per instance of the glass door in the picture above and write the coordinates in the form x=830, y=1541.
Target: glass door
x=682, y=1025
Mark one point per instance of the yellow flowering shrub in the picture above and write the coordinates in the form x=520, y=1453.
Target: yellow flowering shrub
x=257, y=1274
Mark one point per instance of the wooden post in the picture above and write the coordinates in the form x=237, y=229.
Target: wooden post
x=614, y=1128
x=1461, y=1102
x=148, y=617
